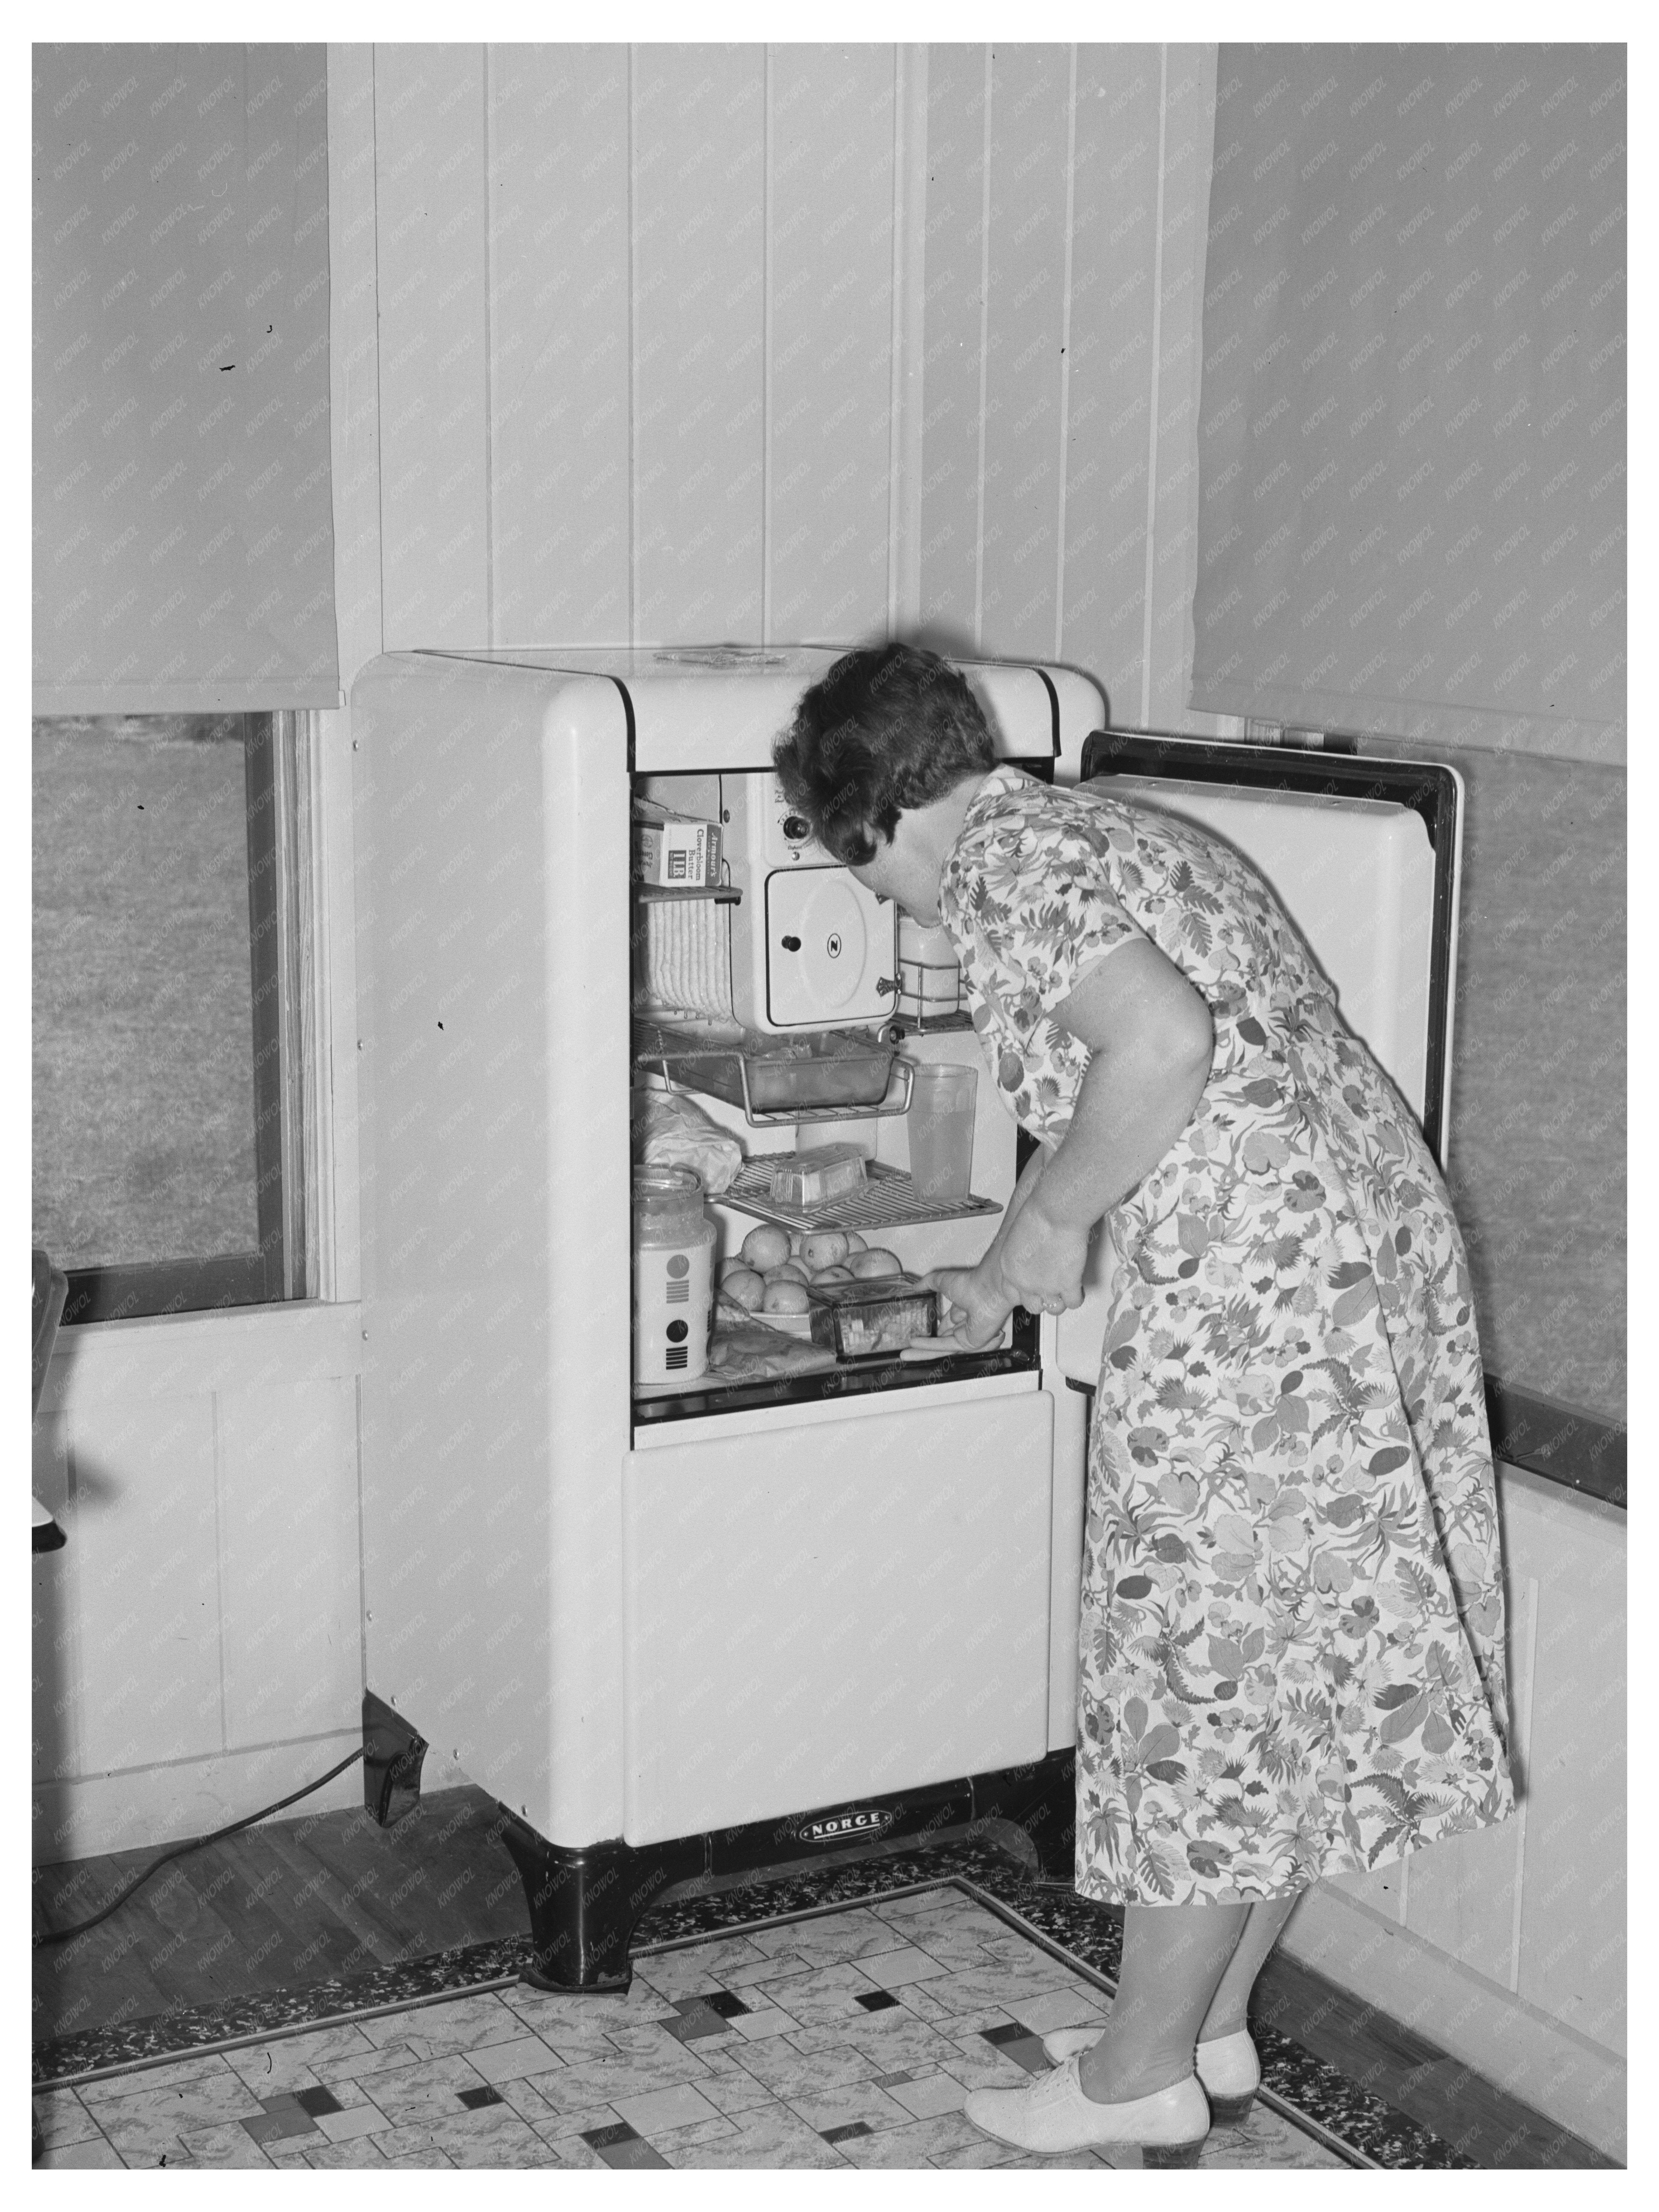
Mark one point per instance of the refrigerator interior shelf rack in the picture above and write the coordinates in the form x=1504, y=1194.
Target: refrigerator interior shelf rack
x=683, y=1066
x=669, y=894
x=887, y=1201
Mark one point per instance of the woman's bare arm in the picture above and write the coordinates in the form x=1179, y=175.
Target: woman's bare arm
x=1151, y=1041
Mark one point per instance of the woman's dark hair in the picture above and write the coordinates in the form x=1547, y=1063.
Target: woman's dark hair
x=889, y=728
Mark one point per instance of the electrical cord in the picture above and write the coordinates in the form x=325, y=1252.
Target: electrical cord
x=180, y=1850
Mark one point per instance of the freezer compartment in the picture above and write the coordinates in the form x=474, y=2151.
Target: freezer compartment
x=809, y=948
x=856, y=1604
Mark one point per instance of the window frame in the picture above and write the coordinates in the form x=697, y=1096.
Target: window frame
x=277, y=747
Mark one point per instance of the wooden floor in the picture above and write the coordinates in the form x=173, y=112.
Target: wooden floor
x=296, y=1902
x=278, y=1907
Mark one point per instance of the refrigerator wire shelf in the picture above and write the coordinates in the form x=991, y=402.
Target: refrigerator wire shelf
x=680, y=1071
x=888, y=1199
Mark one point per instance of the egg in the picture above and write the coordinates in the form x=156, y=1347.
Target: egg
x=765, y=1248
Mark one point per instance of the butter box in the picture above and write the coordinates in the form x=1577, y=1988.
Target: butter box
x=816, y=1178
x=675, y=850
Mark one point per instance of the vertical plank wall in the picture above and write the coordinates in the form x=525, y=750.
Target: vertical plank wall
x=197, y=1640
x=636, y=371
x=615, y=339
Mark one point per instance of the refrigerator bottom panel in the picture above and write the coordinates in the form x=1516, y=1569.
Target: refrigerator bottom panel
x=584, y=1902
x=841, y=1609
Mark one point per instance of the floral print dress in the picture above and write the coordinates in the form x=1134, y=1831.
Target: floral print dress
x=1292, y=1643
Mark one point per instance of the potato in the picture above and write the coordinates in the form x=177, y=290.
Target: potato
x=745, y=1288
x=765, y=1248
x=785, y=1296
x=824, y=1249
x=869, y=1265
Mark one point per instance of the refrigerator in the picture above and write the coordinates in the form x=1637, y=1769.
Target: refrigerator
x=687, y=1632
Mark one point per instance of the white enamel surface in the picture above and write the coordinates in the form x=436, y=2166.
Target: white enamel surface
x=820, y=1612
x=493, y=844
x=493, y=838
x=1356, y=877
x=842, y=949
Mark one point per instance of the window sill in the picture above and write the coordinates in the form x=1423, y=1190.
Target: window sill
x=1581, y=1451
x=194, y=1355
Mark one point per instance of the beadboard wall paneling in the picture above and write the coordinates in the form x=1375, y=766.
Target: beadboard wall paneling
x=1025, y=367
x=1508, y=1948
x=1536, y=1907
x=559, y=128
x=354, y=426
x=1570, y=1947
x=699, y=255
x=58, y=1664
x=288, y=1569
x=1065, y=255
x=959, y=110
x=430, y=196
x=197, y=1639
x=1110, y=353
x=143, y=1546
x=1189, y=74
x=354, y=357
x=655, y=402
x=829, y=352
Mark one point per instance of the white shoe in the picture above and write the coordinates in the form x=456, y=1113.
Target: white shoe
x=1051, y=2115
x=1228, y=2067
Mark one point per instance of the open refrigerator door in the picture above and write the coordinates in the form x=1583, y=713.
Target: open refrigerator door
x=1365, y=855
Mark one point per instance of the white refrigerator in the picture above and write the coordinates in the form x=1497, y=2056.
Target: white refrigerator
x=679, y=1634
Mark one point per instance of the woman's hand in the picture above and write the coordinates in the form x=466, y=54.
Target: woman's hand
x=977, y=1307
x=1041, y=1262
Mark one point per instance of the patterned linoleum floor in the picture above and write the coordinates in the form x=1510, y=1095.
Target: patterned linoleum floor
x=844, y=2037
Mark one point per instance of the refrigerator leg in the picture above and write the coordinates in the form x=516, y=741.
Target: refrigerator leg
x=392, y=1752
x=584, y=1903
x=1041, y=1801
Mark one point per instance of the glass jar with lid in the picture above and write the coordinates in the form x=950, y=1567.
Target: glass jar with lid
x=673, y=1275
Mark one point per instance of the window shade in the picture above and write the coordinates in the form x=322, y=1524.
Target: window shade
x=1412, y=433
x=183, y=556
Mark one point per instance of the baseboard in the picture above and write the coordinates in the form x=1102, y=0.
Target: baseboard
x=146, y=1807
x=1538, y=2061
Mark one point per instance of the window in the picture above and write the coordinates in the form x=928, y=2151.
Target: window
x=171, y=969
